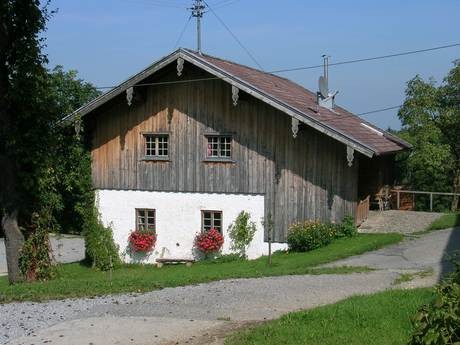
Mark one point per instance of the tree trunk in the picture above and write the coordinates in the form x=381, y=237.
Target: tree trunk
x=454, y=207
x=14, y=241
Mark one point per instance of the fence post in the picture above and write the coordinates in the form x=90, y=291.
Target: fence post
x=397, y=200
x=431, y=202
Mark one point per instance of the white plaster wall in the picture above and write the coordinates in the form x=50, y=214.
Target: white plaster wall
x=178, y=219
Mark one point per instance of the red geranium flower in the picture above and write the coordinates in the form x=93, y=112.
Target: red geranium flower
x=209, y=242
x=142, y=241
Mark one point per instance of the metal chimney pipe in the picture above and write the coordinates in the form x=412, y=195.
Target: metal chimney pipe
x=326, y=66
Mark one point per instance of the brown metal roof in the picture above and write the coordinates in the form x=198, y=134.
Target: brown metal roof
x=305, y=101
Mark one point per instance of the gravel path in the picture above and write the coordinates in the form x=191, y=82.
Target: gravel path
x=235, y=300
x=404, y=222
x=418, y=253
x=185, y=313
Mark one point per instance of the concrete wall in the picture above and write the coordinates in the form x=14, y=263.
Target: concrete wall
x=178, y=219
x=66, y=249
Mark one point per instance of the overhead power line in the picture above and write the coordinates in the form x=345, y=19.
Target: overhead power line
x=298, y=68
x=367, y=59
x=224, y=3
x=158, y=3
x=182, y=32
x=379, y=110
x=307, y=67
x=233, y=35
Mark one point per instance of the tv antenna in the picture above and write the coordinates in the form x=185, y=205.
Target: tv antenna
x=197, y=12
x=325, y=98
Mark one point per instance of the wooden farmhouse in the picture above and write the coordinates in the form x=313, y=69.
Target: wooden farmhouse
x=191, y=141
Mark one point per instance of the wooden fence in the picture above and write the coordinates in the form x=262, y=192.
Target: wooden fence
x=362, y=210
x=415, y=192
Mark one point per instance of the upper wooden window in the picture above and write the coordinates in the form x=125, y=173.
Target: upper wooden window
x=156, y=146
x=219, y=146
x=145, y=220
x=211, y=220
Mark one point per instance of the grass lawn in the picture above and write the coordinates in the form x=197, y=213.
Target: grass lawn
x=76, y=280
x=382, y=318
x=448, y=220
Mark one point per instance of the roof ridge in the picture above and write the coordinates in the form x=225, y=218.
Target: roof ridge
x=245, y=66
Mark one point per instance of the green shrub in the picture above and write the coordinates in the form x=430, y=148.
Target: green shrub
x=309, y=235
x=241, y=233
x=439, y=322
x=347, y=228
x=101, y=250
x=303, y=237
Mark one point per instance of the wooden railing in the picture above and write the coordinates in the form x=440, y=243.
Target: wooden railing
x=362, y=210
x=414, y=192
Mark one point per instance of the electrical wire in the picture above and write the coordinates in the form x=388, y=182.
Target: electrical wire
x=307, y=67
x=224, y=3
x=367, y=59
x=182, y=32
x=233, y=35
x=379, y=110
x=158, y=3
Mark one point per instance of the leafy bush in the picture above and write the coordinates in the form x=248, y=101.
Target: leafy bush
x=439, y=322
x=303, y=237
x=101, y=250
x=347, y=228
x=309, y=235
x=241, y=233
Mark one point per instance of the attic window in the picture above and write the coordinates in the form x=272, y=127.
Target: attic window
x=156, y=146
x=219, y=147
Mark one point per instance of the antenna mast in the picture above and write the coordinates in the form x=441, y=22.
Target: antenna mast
x=197, y=12
x=326, y=66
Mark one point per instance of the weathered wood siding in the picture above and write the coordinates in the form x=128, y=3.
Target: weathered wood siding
x=302, y=178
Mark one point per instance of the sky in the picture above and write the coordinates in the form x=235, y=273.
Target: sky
x=107, y=41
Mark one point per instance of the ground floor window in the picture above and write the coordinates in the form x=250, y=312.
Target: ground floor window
x=210, y=220
x=145, y=219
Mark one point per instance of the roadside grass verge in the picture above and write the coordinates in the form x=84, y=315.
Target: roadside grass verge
x=448, y=220
x=382, y=318
x=78, y=280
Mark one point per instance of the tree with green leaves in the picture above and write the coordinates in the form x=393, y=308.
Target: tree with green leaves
x=431, y=123
x=72, y=160
x=46, y=170
x=27, y=114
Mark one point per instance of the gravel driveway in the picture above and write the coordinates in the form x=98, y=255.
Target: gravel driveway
x=193, y=313
x=404, y=222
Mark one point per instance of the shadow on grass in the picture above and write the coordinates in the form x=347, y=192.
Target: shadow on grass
x=452, y=249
